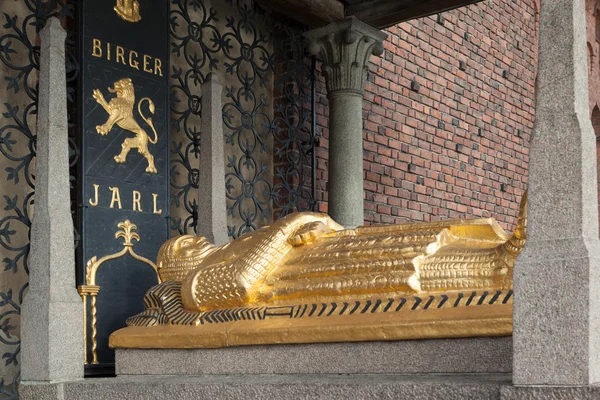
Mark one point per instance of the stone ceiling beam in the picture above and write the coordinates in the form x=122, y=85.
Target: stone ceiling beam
x=385, y=13
x=308, y=12
x=377, y=13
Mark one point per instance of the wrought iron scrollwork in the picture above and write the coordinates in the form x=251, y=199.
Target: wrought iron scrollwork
x=294, y=133
x=195, y=45
x=247, y=117
x=267, y=111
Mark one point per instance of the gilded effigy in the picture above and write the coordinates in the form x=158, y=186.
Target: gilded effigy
x=305, y=279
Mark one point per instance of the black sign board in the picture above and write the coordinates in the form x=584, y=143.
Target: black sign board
x=124, y=115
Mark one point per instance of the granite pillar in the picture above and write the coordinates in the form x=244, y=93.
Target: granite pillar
x=52, y=313
x=345, y=47
x=557, y=277
x=212, y=206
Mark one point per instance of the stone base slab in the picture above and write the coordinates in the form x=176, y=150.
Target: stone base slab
x=281, y=387
x=303, y=386
x=550, y=392
x=464, y=355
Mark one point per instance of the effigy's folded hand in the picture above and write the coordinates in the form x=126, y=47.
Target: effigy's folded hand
x=309, y=233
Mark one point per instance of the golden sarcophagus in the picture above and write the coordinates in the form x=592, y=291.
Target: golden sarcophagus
x=305, y=279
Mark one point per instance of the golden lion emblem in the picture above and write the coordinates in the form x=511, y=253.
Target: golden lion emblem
x=120, y=112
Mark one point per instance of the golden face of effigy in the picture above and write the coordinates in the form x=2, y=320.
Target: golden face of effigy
x=306, y=279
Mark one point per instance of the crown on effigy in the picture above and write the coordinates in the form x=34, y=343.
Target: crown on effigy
x=129, y=10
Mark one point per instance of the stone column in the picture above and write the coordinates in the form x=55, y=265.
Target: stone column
x=345, y=47
x=557, y=277
x=212, y=206
x=52, y=314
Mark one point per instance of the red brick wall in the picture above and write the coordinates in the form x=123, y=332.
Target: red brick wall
x=593, y=47
x=456, y=146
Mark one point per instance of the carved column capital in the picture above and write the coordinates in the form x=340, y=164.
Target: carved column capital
x=345, y=47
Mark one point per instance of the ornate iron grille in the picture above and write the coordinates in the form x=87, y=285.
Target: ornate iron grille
x=267, y=112
x=295, y=136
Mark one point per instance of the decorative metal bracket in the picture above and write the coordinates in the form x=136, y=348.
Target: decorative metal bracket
x=91, y=289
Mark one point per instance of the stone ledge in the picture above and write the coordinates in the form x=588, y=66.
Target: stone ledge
x=467, y=355
x=550, y=392
x=281, y=387
x=306, y=386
